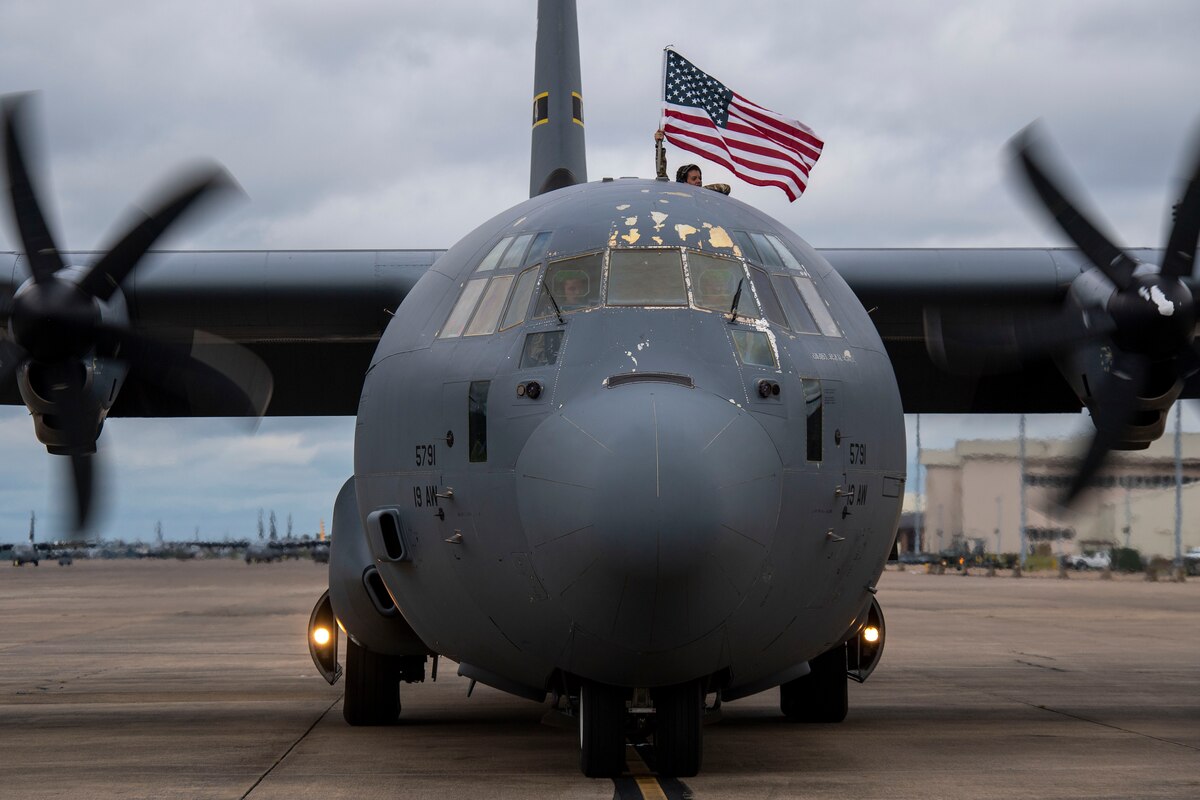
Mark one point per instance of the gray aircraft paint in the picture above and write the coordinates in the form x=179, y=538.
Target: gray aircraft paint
x=642, y=534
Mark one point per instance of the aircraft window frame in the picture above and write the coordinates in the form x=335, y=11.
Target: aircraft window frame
x=748, y=249
x=515, y=304
x=767, y=300
x=750, y=344
x=814, y=419
x=537, y=250
x=817, y=306
x=543, y=308
x=789, y=258
x=800, y=319
x=490, y=307
x=748, y=305
x=477, y=403
x=514, y=256
x=494, y=255
x=767, y=256
x=464, y=308
x=639, y=292
x=541, y=349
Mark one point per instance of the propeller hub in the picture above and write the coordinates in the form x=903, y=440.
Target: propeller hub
x=1155, y=315
x=53, y=319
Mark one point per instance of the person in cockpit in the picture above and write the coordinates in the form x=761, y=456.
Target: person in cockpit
x=571, y=288
x=688, y=173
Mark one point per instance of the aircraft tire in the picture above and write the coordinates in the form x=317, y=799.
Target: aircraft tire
x=679, y=729
x=372, y=687
x=601, y=730
x=820, y=696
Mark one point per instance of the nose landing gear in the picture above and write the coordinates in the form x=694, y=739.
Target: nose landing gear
x=677, y=723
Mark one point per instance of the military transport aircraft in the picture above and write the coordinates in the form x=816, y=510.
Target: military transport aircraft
x=630, y=443
x=26, y=553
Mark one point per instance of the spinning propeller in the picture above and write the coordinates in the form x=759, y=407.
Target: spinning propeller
x=66, y=327
x=1141, y=313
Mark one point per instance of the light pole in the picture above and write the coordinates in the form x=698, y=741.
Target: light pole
x=1178, y=489
x=998, y=518
x=920, y=499
x=1021, y=498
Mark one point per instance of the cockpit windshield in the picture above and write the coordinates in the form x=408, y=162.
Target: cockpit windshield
x=715, y=283
x=574, y=283
x=646, y=278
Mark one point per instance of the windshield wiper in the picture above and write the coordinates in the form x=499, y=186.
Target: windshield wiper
x=736, y=297
x=557, y=310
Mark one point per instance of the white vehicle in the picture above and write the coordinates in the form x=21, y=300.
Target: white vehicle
x=1101, y=560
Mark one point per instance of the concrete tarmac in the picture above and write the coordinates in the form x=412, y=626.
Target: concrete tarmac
x=192, y=680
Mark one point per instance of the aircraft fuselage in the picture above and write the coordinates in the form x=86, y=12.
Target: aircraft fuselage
x=636, y=487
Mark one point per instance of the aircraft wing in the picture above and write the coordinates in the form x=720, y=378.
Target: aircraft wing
x=314, y=317
x=897, y=285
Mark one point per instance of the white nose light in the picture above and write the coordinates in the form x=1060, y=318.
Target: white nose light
x=321, y=636
x=870, y=634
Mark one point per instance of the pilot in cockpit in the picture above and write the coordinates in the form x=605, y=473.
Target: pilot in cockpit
x=571, y=289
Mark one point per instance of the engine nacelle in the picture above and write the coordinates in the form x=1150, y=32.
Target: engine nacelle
x=101, y=381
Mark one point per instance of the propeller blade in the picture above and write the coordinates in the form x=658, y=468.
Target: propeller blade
x=1099, y=249
x=120, y=259
x=1115, y=403
x=36, y=238
x=1180, y=255
x=11, y=356
x=67, y=380
x=211, y=376
x=83, y=480
x=974, y=341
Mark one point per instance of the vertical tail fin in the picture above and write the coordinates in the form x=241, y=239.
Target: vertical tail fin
x=558, y=154
x=32, y=519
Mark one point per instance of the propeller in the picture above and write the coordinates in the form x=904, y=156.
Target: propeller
x=1147, y=321
x=57, y=323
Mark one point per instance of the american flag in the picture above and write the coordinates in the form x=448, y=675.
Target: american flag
x=761, y=147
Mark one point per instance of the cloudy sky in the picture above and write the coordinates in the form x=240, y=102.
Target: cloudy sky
x=394, y=124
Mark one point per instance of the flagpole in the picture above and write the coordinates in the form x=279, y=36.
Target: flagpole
x=662, y=87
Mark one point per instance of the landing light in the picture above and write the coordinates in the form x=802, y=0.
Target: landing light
x=322, y=636
x=870, y=634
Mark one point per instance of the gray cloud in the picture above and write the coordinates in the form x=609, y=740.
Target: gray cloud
x=385, y=124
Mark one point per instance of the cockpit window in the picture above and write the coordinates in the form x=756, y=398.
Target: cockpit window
x=519, y=303
x=785, y=255
x=488, y=313
x=743, y=240
x=766, y=296
x=754, y=348
x=800, y=319
x=816, y=305
x=513, y=257
x=463, y=308
x=538, y=249
x=574, y=284
x=715, y=282
x=646, y=278
x=493, y=257
x=766, y=251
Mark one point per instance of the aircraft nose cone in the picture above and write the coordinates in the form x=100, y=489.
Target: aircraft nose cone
x=649, y=509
